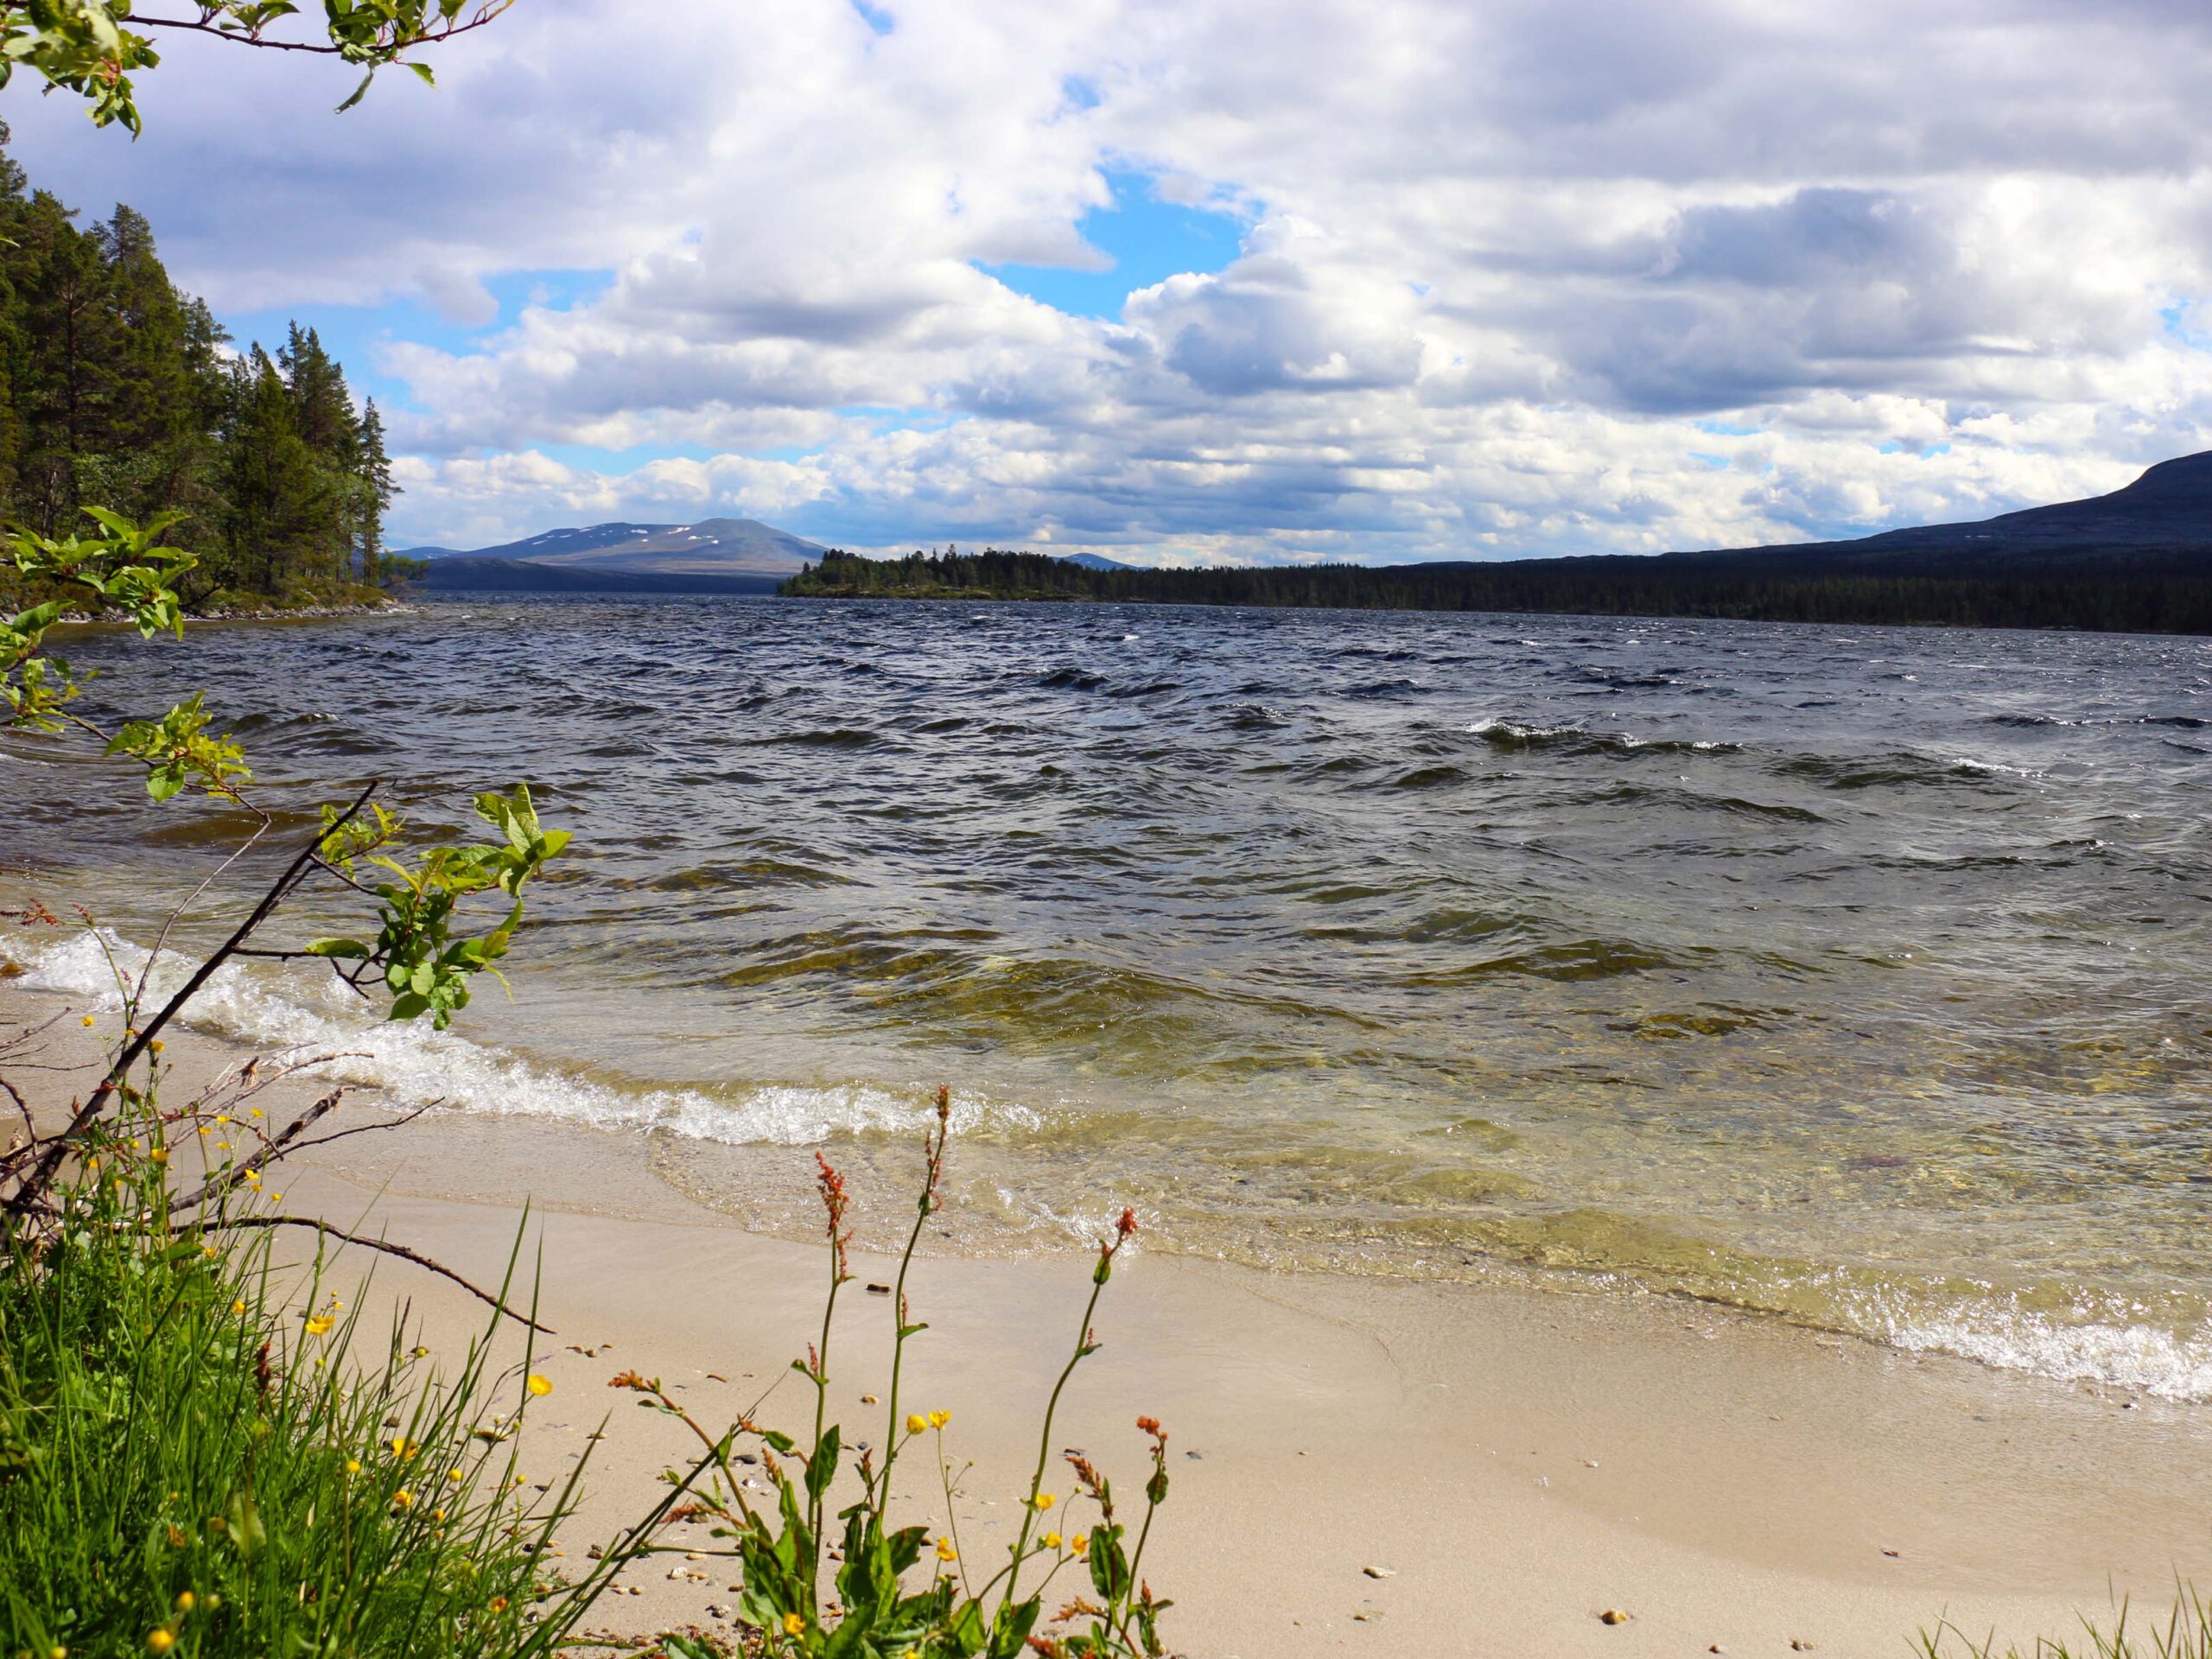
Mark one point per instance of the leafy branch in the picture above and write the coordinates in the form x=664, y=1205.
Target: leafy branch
x=90, y=48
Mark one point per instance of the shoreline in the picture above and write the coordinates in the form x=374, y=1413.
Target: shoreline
x=1516, y=1461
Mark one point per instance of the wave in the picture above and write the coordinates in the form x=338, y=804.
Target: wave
x=414, y=1065
x=1513, y=737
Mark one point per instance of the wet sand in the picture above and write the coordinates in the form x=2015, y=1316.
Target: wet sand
x=1513, y=1460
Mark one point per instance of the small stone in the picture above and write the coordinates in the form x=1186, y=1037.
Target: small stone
x=1380, y=1571
x=867, y=1400
x=694, y=1555
x=1613, y=1615
x=1892, y=1554
x=715, y=1610
x=1716, y=1648
x=1799, y=1645
x=879, y=1290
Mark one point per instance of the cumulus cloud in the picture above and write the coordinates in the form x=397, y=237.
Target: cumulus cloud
x=1512, y=276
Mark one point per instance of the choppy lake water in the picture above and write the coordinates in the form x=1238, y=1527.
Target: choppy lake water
x=1857, y=975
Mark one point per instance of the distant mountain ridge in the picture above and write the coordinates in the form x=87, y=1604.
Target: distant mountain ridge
x=2168, y=509
x=719, y=547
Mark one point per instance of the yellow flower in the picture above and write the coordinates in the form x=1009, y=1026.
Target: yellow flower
x=253, y=1177
x=916, y=1422
x=453, y=1474
x=159, y=1641
x=158, y=1046
x=57, y=1652
x=238, y=1307
x=540, y=1386
x=1042, y=1501
x=88, y=1019
x=438, y=1515
x=945, y=1551
x=319, y=1323
x=184, y=1600
x=352, y=1466
x=499, y=1603
x=222, y=1117
x=794, y=1625
x=160, y=1154
x=1052, y=1540
x=403, y=1499
x=939, y=1419
x=255, y=1112
x=1077, y=1544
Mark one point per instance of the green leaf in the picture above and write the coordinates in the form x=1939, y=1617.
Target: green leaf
x=821, y=1467
x=350, y=948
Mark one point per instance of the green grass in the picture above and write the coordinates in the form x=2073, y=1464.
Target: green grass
x=190, y=1466
x=2186, y=1634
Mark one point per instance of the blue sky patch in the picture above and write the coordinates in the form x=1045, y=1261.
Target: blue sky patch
x=351, y=333
x=1146, y=238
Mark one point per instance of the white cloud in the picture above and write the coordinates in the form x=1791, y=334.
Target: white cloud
x=1515, y=277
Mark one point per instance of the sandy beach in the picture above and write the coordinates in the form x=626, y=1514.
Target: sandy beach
x=1511, y=1460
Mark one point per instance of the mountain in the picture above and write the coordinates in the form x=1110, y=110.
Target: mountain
x=710, y=547
x=2167, y=510
x=472, y=573
x=1097, y=562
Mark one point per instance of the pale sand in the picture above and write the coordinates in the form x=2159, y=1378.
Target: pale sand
x=1517, y=1460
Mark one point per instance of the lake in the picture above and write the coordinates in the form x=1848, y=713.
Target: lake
x=1854, y=974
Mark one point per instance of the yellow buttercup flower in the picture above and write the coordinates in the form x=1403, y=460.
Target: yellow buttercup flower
x=1077, y=1544
x=499, y=1603
x=794, y=1625
x=939, y=1419
x=352, y=1466
x=238, y=1307
x=945, y=1551
x=253, y=1177
x=916, y=1422
x=159, y=1154
x=1042, y=1501
x=403, y=1499
x=540, y=1386
x=159, y=1641
x=184, y=1600
x=89, y=1019
x=158, y=1046
x=319, y=1323
x=1052, y=1540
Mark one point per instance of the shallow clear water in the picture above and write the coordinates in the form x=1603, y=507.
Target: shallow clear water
x=1854, y=974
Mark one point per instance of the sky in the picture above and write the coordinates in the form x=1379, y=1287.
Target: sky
x=1203, y=281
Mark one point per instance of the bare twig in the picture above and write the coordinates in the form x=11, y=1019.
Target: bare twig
x=27, y=1191
x=240, y=1223
x=206, y=24
x=268, y=1155
x=30, y=1129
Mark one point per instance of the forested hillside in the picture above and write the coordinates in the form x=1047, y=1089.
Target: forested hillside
x=2126, y=590
x=118, y=391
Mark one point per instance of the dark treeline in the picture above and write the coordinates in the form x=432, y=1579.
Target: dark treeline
x=2121, y=592
x=116, y=391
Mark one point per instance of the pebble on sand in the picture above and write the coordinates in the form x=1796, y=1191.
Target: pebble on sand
x=1614, y=1615
x=1380, y=1571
